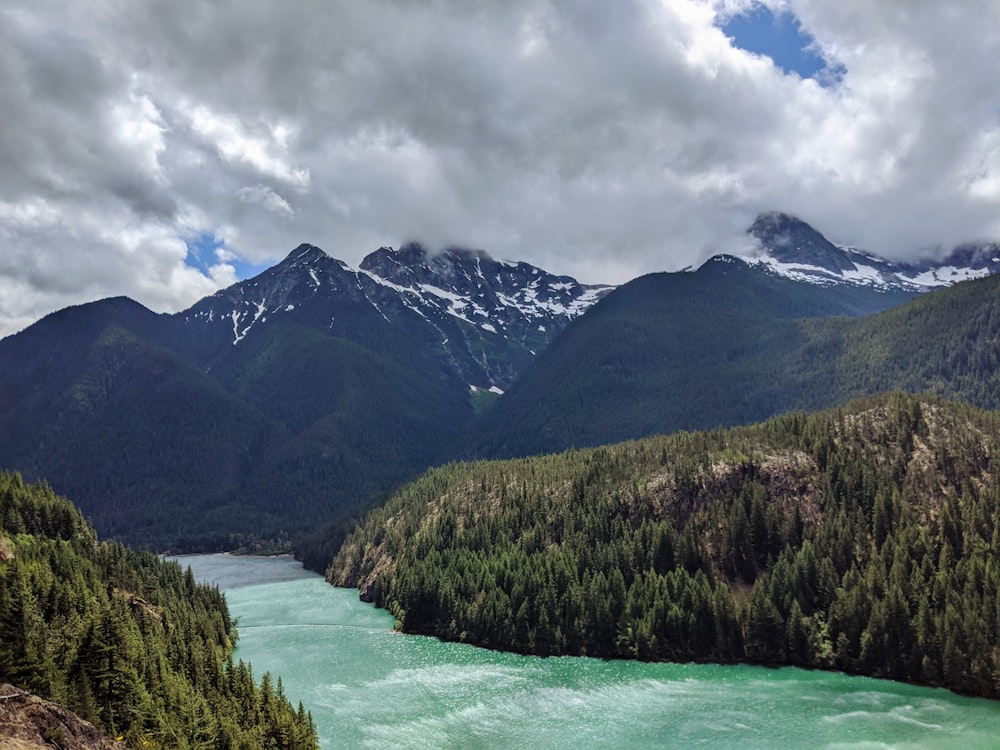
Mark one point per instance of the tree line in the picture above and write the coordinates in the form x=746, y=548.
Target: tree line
x=126, y=640
x=862, y=539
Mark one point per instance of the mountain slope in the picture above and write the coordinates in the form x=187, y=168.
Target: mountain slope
x=140, y=438
x=946, y=342
x=294, y=429
x=859, y=539
x=668, y=352
x=478, y=320
x=791, y=248
x=125, y=640
x=283, y=402
x=358, y=425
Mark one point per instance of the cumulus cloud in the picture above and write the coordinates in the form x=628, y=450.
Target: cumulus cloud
x=265, y=197
x=598, y=139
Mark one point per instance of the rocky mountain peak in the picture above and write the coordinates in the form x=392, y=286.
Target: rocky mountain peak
x=306, y=253
x=790, y=240
x=413, y=265
x=396, y=266
x=976, y=255
x=489, y=318
x=790, y=247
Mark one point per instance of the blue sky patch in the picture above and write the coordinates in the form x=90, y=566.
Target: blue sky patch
x=782, y=38
x=201, y=254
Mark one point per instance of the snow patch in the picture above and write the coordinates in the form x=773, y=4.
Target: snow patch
x=866, y=275
x=238, y=336
x=947, y=275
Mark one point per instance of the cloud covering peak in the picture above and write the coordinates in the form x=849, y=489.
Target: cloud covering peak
x=597, y=139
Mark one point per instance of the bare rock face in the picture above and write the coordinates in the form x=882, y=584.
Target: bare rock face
x=28, y=722
x=789, y=247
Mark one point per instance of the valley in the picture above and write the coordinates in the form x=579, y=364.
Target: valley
x=778, y=459
x=512, y=375
x=274, y=413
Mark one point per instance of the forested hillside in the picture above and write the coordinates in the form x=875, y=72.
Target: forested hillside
x=863, y=538
x=125, y=640
x=946, y=342
x=294, y=429
x=733, y=345
x=301, y=396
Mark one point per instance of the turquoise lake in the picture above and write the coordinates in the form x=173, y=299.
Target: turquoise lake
x=369, y=687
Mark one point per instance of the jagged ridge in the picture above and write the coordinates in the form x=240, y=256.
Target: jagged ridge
x=790, y=247
x=487, y=318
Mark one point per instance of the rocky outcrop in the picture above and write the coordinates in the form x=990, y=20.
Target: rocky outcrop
x=28, y=722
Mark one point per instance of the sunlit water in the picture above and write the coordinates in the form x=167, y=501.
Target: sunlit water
x=370, y=687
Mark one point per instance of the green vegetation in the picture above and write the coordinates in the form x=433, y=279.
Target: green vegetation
x=168, y=436
x=353, y=425
x=863, y=539
x=482, y=399
x=947, y=343
x=125, y=640
x=294, y=429
x=729, y=345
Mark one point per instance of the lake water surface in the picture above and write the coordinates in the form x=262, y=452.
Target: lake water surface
x=370, y=687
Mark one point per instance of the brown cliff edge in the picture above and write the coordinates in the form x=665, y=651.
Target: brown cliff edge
x=27, y=722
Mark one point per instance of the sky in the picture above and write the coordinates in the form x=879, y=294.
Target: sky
x=164, y=149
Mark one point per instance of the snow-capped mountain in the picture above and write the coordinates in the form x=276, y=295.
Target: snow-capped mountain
x=295, y=397
x=791, y=248
x=485, y=319
x=513, y=299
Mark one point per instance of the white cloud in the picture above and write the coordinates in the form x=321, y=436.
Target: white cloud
x=597, y=139
x=262, y=195
x=265, y=152
x=138, y=128
x=982, y=175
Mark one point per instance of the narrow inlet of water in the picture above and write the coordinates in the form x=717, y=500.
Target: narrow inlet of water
x=370, y=687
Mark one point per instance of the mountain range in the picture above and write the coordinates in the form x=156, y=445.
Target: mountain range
x=735, y=343
x=285, y=400
x=475, y=318
x=306, y=393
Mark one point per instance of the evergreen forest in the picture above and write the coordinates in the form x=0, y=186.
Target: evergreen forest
x=126, y=640
x=862, y=539
x=730, y=345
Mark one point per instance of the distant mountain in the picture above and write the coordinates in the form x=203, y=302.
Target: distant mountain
x=301, y=395
x=791, y=248
x=275, y=405
x=477, y=319
x=735, y=343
